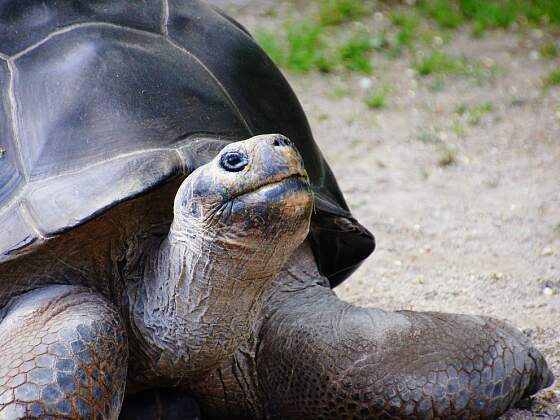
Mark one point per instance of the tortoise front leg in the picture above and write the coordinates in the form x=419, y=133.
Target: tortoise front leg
x=347, y=362
x=319, y=357
x=64, y=354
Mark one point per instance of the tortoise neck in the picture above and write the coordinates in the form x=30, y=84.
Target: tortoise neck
x=196, y=302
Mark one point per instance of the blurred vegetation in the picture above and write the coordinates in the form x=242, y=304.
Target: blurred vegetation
x=354, y=53
x=303, y=48
x=377, y=99
x=320, y=40
x=440, y=63
x=490, y=14
x=475, y=114
x=335, y=12
x=352, y=36
x=549, y=50
x=553, y=78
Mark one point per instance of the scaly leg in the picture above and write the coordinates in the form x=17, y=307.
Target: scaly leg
x=319, y=357
x=64, y=354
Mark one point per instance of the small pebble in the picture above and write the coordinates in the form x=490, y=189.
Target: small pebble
x=497, y=276
x=549, y=291
x=365, y=83
x=547, y=251
x=528, y=332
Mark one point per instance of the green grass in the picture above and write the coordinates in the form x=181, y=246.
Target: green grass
x=462, y=109
x=446, y=13
x=405, y=34
x=336, y=12
x=320, y=41
x=306, y=47
x=476, y=114
x=407, y=24
x=376, y=100
x=458, y=129
x=439, y=63
x=488, y=14
x=491, y=14
x=549, y=50
x=552, y=79
x=302, y=49
x=541, y=11
x=354, y=53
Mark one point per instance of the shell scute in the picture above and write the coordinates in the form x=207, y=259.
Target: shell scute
x=24, y=23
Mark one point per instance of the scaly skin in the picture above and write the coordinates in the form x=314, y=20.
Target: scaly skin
x=64, y=354
x=343, y=361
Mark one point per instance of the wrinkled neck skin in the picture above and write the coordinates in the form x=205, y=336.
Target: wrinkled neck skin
x=233, y=389
x=198, y=298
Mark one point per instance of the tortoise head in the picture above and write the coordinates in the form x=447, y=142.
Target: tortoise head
x=253, y=196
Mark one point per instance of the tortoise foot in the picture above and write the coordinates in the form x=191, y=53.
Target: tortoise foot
x=340, y=361
x=64, y=354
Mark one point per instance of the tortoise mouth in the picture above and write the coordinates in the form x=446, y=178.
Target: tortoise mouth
x=277, y=185
x=285, y=185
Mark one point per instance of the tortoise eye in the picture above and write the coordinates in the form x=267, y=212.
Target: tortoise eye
x=234, y=161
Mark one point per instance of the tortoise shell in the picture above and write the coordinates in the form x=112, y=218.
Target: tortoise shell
x=104, y=101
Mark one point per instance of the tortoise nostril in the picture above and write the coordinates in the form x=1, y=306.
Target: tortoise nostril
x=281, y=142
x=234, y=161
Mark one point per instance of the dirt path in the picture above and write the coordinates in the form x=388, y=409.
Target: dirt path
x=466, y=216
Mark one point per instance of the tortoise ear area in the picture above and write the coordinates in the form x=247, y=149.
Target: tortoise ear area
x=199, y=191
x=202, y=186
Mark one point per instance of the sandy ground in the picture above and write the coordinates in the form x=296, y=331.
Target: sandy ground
x=478, y=236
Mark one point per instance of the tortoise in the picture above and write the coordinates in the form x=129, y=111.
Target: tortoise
x=163, y=254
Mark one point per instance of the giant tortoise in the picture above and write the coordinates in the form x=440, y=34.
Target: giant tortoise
x=154, y=264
